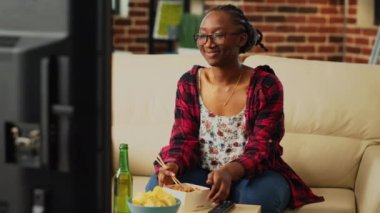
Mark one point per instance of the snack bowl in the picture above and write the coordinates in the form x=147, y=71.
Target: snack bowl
x=147, y=209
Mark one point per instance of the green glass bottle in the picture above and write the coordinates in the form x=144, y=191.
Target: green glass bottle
x=122, y=182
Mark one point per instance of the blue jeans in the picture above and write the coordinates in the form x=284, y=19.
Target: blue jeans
x=270, y=189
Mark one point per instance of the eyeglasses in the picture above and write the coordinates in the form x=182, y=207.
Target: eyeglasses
x=217, y=38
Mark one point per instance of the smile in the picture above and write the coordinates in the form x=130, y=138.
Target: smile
x=211, y=53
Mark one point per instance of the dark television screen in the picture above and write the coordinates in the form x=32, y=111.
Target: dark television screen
x=55, y=146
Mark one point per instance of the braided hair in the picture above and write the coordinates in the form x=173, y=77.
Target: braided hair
x=254, y=35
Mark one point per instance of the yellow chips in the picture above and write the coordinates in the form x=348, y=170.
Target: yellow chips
x=156, y=198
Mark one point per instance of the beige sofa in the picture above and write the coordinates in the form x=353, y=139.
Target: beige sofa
x=332, y=122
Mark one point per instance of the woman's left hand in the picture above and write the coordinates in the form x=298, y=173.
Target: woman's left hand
x=221, y=184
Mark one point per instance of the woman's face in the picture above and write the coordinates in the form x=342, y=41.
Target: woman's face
x=220, y=50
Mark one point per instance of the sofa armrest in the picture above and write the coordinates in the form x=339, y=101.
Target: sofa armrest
x=367, y=186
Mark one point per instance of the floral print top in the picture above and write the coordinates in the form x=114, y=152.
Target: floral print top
x=221, y=138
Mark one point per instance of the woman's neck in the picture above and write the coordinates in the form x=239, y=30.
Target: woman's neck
x=225, y=75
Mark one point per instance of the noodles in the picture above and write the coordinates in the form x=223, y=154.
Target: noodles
x=183, y=188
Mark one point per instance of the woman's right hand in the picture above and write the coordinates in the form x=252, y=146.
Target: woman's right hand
x=166, y=173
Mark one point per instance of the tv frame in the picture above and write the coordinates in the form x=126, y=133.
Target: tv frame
x=74, y=169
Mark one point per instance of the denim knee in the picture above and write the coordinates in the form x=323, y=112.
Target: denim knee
x=270, y=190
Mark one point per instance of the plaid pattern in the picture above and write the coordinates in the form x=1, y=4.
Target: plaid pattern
x=265, y=129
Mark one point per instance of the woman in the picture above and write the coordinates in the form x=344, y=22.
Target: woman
x=229, y=122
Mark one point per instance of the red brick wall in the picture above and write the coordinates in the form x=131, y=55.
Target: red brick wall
x=131, y=34
x=309, y=29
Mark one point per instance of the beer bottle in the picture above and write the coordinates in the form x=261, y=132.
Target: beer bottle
x=122, y=182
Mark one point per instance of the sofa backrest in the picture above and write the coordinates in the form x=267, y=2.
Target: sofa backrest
x=331, y=111
x=331, y=115
x=143, y=98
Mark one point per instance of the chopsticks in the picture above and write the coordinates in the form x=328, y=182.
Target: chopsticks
x=162, y=164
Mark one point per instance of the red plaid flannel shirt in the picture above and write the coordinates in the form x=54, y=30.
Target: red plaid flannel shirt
x=265, y=129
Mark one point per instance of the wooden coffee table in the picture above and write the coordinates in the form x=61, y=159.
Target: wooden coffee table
x=239, y=208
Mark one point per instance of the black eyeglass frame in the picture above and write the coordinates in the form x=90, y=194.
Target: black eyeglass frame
x=214, y=36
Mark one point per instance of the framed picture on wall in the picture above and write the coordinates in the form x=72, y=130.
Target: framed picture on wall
x=167, y=18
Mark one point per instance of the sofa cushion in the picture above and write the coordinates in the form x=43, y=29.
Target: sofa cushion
x=139, y=183
x=337, y=200
x=328, y=161
x=331, y=113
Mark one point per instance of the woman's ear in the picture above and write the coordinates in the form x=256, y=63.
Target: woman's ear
x=243, y=39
